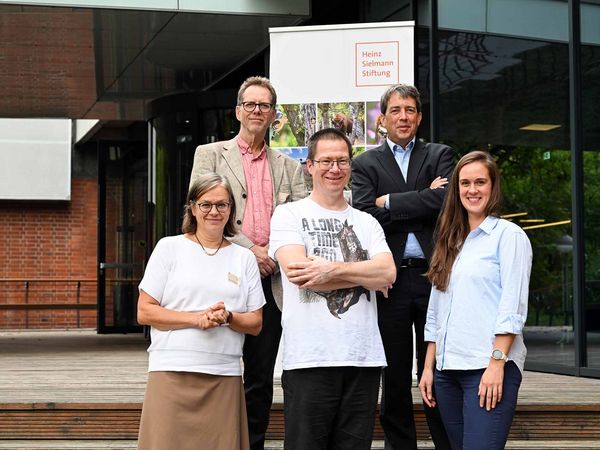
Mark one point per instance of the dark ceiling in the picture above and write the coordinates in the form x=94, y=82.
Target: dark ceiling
x=106, y=64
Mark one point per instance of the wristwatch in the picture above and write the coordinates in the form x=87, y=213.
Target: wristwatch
x=498, y=355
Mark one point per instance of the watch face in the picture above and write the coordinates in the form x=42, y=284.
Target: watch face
x=497, y=354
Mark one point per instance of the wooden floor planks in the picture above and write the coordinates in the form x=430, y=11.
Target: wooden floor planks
x=84, y=367
x=78, y=381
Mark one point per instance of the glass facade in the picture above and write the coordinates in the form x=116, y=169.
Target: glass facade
x=177, y=129
x=590, y=103
x=502, y=83
x=504, y=86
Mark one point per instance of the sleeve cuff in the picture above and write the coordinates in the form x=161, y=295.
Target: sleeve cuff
x=510, y=323
x=430, y=337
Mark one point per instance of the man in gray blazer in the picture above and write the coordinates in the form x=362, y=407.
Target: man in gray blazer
x=261, y=179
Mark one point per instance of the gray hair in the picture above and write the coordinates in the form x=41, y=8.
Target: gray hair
x=257, y=81
x=404, y=90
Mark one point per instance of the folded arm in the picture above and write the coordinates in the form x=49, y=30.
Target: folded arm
x=403, y=206
x=318, y=274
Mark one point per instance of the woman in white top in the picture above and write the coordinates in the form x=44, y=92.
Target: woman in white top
x=477, y=309
x=200, y=294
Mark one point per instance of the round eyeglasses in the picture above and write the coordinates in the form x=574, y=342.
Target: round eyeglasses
x=207, y=207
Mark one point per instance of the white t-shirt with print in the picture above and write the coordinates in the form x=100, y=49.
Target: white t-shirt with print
x=337, y=328
x=181, y=277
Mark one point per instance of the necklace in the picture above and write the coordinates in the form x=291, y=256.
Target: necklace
x=209, y=254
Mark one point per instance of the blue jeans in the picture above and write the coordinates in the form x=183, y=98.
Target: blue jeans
x=469, y=426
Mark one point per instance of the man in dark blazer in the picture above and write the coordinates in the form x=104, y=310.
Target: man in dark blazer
x=261, y=178
x=402, y=184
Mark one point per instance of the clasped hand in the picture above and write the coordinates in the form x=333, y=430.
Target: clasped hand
x=213, y=316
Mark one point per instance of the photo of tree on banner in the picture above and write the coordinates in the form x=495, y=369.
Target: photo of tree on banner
x=293, y=125
x=347, y=117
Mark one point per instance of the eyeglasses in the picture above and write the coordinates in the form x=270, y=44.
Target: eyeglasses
x=251, y=106
x=207, y=207
x=328, y=163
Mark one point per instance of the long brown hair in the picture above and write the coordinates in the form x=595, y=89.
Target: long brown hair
x=200, y=187
x=452, y=226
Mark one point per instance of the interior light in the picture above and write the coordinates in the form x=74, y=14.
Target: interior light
x=539, y=127
x=532, y=220
x=509, y=216
x=545, y=225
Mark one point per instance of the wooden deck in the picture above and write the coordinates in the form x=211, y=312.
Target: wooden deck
x=80, y=385
x=84, y=367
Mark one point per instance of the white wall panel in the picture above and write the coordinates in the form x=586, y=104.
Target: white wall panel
x=35, y=159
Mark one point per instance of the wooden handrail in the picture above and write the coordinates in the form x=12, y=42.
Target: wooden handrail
x=52, y=280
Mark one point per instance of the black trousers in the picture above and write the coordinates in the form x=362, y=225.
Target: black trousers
x=259, y=355
x=405, y=306
x=330, y=408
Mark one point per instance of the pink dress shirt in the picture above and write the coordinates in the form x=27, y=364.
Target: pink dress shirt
x=259, y=188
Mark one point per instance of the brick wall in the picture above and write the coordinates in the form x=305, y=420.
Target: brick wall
x=55, y=48
x=55, y=244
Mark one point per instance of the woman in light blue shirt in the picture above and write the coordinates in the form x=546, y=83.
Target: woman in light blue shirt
x=478, y=305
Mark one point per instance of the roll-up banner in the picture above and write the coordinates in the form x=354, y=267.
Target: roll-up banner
x=333, y=76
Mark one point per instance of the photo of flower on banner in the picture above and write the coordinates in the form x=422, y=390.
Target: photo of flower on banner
x=376, y=133
x=346, y=117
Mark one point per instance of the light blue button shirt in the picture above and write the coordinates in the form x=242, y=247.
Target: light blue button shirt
x=402, y=157
x=487, y=295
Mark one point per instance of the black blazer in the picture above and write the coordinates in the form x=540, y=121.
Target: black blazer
x=413, y=206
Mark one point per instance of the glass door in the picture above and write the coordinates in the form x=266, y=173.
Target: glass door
x=123, y=180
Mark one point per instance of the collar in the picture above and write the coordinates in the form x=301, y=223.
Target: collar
x=488, y=224
x=408, y=147
x=245, y=148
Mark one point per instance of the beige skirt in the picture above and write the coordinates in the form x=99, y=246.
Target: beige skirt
x=193, y=411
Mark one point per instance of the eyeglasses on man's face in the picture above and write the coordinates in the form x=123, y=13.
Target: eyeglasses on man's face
x=207, y=207
x=251, y=106
x=328, y=163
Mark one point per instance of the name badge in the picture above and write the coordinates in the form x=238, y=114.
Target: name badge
x=233, y=278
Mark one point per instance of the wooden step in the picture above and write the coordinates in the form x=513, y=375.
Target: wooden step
x=270, y=445
x=121, y=421
x=68, y=445
x=83, y=386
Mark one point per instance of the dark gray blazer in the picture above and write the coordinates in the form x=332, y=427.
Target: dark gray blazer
x=414, y=207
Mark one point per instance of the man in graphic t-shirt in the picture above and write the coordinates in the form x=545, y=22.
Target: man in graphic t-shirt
x=333, y=258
